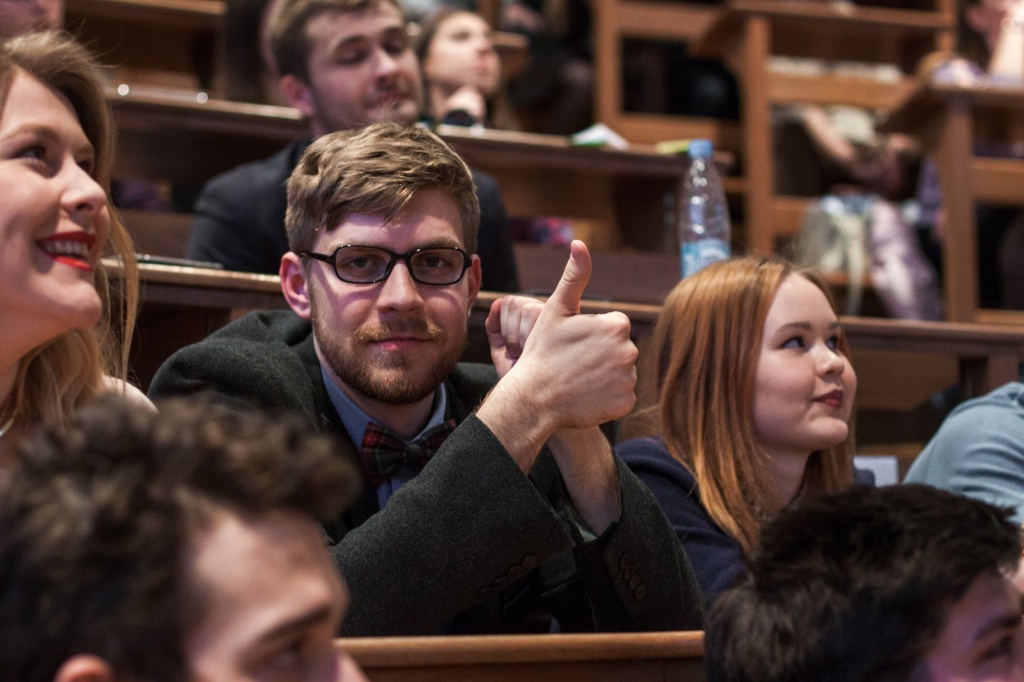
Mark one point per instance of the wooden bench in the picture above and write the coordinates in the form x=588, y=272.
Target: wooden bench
x=645, y=657
x=951, y=119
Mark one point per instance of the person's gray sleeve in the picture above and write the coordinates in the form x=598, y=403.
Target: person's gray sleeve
x=978, y=452
x=650, y=575
x=465, y=524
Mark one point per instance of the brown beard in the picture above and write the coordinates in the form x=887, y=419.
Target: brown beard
x=393, y=379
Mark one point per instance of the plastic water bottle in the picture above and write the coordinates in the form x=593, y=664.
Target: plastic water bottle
x=704, y=229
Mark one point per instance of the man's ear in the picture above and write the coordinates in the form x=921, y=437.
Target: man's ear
x=294, y=284
x=84, y=668
x=298, y=94
x=475, y=277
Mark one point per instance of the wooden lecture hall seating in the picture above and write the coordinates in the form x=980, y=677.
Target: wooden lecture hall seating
x=746, y=34
x=175, y=129
x=951, y=120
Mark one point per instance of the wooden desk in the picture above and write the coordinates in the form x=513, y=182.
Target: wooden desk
x=646, y=657
x=620, y=195
x=951, y=120
x=748, y=32
x=182, y=306
x=185, y=137
x=168, y=42
x=617, y=197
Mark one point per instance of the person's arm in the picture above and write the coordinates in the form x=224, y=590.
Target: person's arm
x=574, y=372
x=979, y=452
x=1008, y=53
x=467, y=525
x=716, y=558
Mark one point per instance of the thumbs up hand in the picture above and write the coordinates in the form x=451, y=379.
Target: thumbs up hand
x=570, y=370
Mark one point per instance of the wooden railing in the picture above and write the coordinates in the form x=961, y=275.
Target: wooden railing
x=645, y=657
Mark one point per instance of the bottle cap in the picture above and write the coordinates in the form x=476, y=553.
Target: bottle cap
x=701, y=148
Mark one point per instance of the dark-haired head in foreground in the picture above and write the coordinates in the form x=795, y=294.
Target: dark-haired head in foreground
x=875, y=585
x=178, y=546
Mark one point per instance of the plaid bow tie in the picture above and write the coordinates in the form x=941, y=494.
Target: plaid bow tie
x=382, y=453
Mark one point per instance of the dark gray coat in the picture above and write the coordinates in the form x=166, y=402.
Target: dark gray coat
x=470, y=545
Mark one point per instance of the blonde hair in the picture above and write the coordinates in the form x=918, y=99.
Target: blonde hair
x=699, y=385
x=67, y=371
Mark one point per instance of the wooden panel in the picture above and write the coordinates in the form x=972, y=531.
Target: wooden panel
x=788, y=215
x=165, y=42
x=158, y=233
x=669, y=20
x=860, y=92
x=998, y=181
x=649, y=657
x=653, y=128
x=903, y=362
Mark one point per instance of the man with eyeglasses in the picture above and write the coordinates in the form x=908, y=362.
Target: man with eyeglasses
x=490, y=505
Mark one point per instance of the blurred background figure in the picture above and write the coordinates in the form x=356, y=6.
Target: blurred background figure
x=27, y=16
x=190, y=549
x=462, y=71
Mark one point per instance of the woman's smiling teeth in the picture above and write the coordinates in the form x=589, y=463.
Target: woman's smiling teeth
x=69, y=250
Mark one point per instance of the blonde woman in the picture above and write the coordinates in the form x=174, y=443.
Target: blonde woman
x=58, y=349
x=751, y=397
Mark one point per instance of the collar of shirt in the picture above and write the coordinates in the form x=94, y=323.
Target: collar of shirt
x=355, y=420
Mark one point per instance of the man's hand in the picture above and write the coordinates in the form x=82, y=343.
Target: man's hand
x=579, y=369
x=573, y=372
x=510, y=321
x=469, y=99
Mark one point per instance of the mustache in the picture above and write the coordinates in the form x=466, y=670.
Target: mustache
x=417, y=327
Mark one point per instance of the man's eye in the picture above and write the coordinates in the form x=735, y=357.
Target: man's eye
x=351, y=57
x=359, y=263
x=1001, y=648
x=395, y=46
x=434, y=261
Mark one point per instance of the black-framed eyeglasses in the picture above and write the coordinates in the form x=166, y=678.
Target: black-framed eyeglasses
x=436, y=265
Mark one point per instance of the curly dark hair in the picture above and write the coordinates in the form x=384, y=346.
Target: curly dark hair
x=97, y=516
x=856, y=586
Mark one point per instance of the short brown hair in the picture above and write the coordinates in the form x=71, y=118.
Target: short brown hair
x=698, y=381
x=97, y=518
x=376, y=171
x=67, y=371
x=288, y=40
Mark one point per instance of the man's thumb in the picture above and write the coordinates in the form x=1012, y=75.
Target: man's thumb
x=566, y=296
